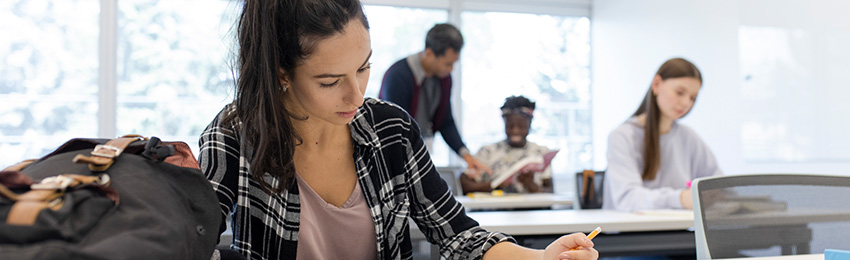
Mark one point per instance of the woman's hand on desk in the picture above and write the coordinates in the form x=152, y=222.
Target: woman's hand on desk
x=562, y=248
x=559, y=249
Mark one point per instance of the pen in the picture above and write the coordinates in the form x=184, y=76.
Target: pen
x=590, y=236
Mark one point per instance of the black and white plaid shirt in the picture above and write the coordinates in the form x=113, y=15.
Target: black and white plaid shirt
x=394, y=171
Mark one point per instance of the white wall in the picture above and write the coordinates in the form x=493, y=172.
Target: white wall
x=630, y=39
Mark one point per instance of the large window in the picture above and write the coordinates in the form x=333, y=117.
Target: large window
x=543, y=57
x=397, y=32
x=170, y=59
x=48, y=80
x=163, y=68
x=173, y=66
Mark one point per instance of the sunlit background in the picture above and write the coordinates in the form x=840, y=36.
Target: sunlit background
x=773, y=99
x=165, y=70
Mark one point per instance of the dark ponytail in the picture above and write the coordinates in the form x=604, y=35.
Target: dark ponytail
x=274, y=35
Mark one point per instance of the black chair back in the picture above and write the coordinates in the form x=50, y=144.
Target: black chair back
x=589, y=188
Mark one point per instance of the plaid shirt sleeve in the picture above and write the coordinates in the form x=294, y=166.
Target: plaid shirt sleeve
x=438, y=215
x=219, y=159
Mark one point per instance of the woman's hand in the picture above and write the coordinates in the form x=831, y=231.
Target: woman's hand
x=687, y=199
x=559, y=249
x=562, y=248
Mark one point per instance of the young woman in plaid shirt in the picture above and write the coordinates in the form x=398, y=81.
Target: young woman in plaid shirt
x=310, y=170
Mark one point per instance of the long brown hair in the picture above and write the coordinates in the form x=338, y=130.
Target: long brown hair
x=672, y=68
x=276, y=35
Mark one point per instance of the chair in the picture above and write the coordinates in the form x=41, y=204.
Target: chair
x=451, y=175
x=589, y=189
x=761, y=215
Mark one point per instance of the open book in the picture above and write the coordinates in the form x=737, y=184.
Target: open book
x=532, y=164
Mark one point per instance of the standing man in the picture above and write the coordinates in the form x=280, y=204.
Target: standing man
x=422, y=85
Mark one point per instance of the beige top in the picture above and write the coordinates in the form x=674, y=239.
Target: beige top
x=330, y=232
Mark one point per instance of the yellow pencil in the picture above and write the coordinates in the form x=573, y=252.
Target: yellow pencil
x=594, y=232
x=590, y=236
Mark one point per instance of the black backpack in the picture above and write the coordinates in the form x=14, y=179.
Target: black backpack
x=125, y=198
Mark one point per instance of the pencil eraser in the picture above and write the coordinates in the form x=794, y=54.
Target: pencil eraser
x=835, y=254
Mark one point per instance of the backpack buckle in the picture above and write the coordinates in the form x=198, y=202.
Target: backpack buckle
x=60, y=182
x=107, y=151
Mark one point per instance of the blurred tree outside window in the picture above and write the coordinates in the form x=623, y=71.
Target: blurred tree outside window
x=174, y=66
x=48, y=80
x=173, y=70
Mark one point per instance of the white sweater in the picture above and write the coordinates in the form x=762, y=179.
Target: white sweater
x=684, y=157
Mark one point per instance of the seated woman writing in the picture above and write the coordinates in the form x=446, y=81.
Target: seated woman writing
x=502, y=156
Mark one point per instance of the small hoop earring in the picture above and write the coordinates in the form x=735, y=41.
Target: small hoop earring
x=284, y=88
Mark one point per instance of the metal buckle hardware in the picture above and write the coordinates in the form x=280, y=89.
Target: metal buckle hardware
x=55, y=202
x=60, y=182
x=107, y=151
x=103, y=179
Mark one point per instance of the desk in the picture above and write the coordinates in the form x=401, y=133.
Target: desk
x=624, y=233
x=516, y=201
x=784, y=257
x=552, y=222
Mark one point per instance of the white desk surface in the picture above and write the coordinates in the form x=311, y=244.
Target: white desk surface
x=516, y=201
x=547, y=222
x=784, y=257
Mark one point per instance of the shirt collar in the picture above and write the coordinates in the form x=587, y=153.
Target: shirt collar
x=362, y=131
x=415, y=64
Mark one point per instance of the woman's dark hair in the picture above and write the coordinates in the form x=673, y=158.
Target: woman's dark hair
x=274, y=35
x=673, y=68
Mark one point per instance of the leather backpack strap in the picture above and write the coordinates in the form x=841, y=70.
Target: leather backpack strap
x=104, y=155
x=48, y=194
x=18, y=166
x=10, y=180
x=25, y=210
x=8, y=194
